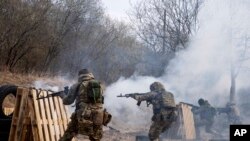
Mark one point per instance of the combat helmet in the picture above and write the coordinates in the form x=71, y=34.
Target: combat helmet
x=156, y=86
x=201, y=101
x=85, y=74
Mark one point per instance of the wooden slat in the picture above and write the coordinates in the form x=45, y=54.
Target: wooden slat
x=49, y=117
x=54, y=117
x=21, y=115
x=188, y=122
x=38, y=115
x=15, y=115
x=42, y=109
x=59, y=115
x=34, y=126
x=62, y=111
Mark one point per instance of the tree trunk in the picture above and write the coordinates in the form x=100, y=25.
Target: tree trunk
x=233, y=85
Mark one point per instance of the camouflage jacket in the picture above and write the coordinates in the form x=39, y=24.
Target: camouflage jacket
x=206, y=112
x=71, y=96
x=161, y=101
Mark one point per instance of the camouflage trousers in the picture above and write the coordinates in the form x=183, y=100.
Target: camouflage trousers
x=74, y=127
x=207, y=124
x=157, y=127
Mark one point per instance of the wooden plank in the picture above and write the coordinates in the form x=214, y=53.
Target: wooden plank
x=68, y=115
x=15, y=114
x=21, y=115
x=34, y=126
x=44, y=118
x=25, y=130
x=62, y=111
x=54, y=117
x=59, y=115
x=37, y=115
x=49, y=117
x=188, y=122
x=26, y=121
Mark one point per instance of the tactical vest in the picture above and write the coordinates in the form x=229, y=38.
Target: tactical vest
x=208, y=112
x=167, y=100
x=163, y=100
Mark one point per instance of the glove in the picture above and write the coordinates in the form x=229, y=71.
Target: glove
x=66, y=90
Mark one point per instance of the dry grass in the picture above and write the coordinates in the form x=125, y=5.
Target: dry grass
x=7, y=78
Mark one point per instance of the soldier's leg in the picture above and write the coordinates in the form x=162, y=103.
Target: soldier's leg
x=97, y=136
x=155, y=130
x=199, y=124
x=208, y=127
x=71, y=130
x=198, y=132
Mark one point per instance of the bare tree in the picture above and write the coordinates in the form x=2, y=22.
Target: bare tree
x=65, y=17
x=165, y=25
x=238, y=64
x=54, y=36
x=122, y=56
x=20, y=22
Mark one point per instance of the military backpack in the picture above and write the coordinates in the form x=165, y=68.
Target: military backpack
x=95, y=92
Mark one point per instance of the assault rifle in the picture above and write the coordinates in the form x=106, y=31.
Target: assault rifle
x=132, y=95
x=226, y=110
x=60, y=93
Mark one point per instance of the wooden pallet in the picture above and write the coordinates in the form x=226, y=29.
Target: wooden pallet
x=187, y=122
x=183, y=128
x=38, y=120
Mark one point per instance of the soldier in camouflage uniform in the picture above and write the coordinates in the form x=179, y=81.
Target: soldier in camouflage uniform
x=206, y=115
x=88, y=116
x=164, y=109
x=232, y=113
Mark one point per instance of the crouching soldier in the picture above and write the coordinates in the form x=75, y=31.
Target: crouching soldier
x=164, y=109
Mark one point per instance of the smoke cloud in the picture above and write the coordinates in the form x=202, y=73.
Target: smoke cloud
x=201, y=71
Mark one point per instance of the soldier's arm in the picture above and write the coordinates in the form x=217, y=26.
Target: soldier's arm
x=197, y=110
x=145, y=96
x=71, y=96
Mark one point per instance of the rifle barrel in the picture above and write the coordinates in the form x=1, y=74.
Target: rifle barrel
x=121, y=95
x=43, y=97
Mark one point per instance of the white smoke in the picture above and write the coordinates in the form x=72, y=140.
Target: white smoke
x=201, y=71
x=40, y=84
x=55, y=84
x=126, y=113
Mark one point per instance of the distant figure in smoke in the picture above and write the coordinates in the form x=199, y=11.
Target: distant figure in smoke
x=164, y=109
x=206, y=114
x=89, y=115
x=232, y=113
